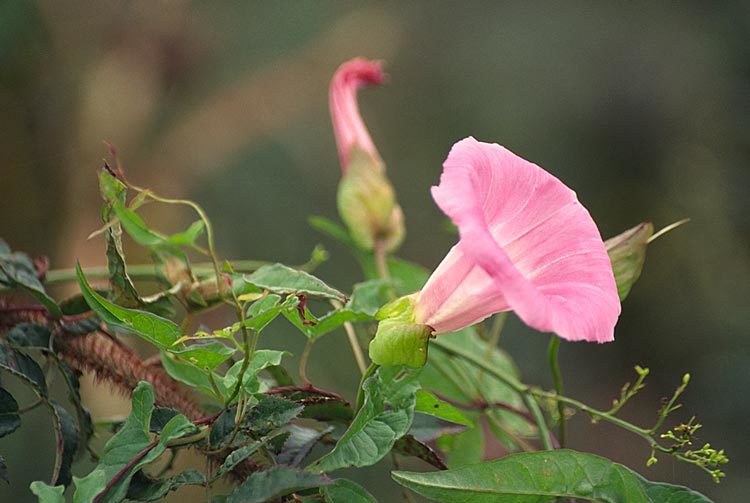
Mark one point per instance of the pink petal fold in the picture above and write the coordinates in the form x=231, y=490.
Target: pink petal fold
x=348, y=126
x=526, y=245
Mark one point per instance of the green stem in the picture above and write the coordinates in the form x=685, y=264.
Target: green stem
x=145, y=271
x=641, y=432
x=177, y=442
x=351, y=335
x=554, y=366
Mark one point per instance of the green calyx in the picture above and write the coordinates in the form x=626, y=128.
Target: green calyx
x=627, y=251
x=367, y=203
x=399, y=340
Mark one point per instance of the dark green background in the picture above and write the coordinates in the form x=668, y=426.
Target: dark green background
x=641, y=107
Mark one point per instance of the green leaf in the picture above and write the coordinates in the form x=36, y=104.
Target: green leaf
x=280, y=279
x=275, y=483
x=369, y=296
x=143, y=235
x=346, y=491
x=270, y=413
x=24, y=368
x=385, y=416
x=317, y=327
x=542, y=477
x=427, y=428
x=189, y=236
x=408, y=445
x=221, y=430
x=261, y=359
x=266, y=309
x=85, y=425
x=29, y=335
x=299, y=444
x=465, y=448
x=17, y=271
x=143, y=488
x=159, y=331
x=66, y=430
x=365, y=301
x=114, y=191
x=321, y=405
x=207, y=356
x=237, y=457
x=427, y=403
x=66, y=433
x=130, y=449
x=627, y=251
x=193, y=376
x=46, y=493
x=137, y=228
x=461, y=382
x=9, y=418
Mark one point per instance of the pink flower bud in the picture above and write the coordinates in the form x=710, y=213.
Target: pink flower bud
x=348, y=126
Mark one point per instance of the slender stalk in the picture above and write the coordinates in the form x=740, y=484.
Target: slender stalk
x=351, y=335
x=381, y=265
x=641, y=432
x=303, y=361
x=29, y=407
x=381, y=260
x=203, y=433
x=557, y=382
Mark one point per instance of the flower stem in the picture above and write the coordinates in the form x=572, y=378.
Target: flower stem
x=351, y=334
x=554, y=366
x=303, y=361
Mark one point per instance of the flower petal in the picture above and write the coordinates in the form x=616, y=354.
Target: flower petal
x=527, y=244
x=348, y=125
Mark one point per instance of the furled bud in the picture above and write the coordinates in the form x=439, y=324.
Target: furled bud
x=366, y=200
x=627, y=251
x=399, y=340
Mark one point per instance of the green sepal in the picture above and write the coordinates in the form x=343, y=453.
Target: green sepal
x=627, y=251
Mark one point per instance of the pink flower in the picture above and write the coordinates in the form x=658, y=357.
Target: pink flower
x=526, y=245
x=348, y=126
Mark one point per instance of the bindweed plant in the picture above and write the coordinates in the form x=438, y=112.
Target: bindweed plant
x=434, y=384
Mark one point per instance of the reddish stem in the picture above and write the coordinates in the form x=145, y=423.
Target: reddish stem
x=119, y=475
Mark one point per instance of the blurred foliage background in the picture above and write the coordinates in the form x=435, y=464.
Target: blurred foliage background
x=643, y=108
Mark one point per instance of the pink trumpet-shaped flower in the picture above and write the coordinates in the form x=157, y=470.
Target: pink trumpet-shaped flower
x=348, y=126
x=526, y=245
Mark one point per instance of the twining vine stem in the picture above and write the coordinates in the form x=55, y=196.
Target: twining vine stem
x=557, y=382
x=528, y=394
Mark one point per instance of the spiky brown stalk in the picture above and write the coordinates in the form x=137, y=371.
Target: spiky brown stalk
x=111, y=361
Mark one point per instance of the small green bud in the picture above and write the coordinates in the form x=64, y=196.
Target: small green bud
x=685, y=379
x=367, y=203
x=627, y=251
x=651, y=461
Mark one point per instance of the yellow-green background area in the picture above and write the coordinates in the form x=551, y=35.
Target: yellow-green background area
x=642, y=107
